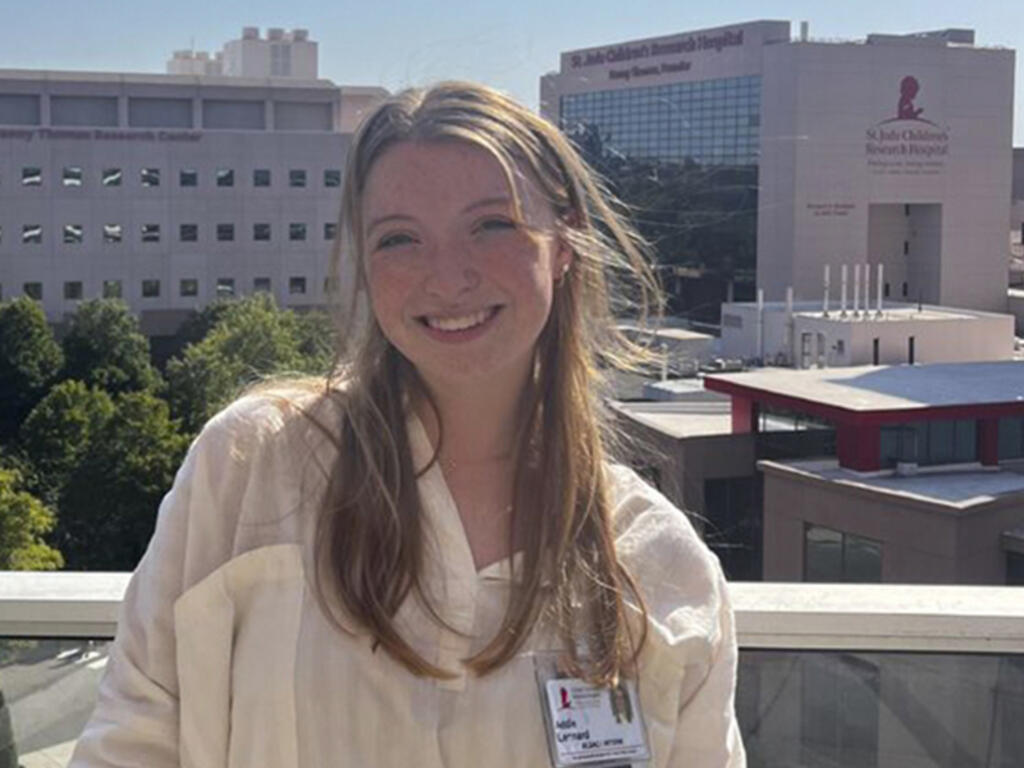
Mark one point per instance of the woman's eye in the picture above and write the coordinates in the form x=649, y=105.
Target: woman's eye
x=496, y=223
x=394, y=240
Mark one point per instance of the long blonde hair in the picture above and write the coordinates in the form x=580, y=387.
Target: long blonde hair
x=370, y=540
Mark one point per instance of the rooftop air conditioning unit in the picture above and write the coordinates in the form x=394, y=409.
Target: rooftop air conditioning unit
x=250, y=33
x=275, y=33
x=300, y=35
x=906, y=468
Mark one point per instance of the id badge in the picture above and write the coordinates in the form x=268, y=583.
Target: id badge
x=588, y=725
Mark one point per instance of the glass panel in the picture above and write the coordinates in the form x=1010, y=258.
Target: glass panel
x=330, y=230
x=966, y=445
x=72, y=176
x=225, y=177
x=296, y=231
x=73, y=290
x=1010, y=444
x=150, y=289
x=31, y=177
x=151, y=233
x=261, y=177
x=112, y=233
x=823, y=555
x=834, y=709
x=150, y=177
x=261, y=284
x=73, y=233
x=188, y=233
x=111, y=289
x=189, y=287
x=940, y=443
x=862, y=560
x=188, y=178
x=32, y=233
x=332, y=177
x=225, y=287
x=225, y=232
x=33, y=290
x=296, y=178
x=296, y=285
x=261, y=231
x=111, y=177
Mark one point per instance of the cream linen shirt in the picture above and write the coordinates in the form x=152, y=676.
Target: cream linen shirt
x=223, y=657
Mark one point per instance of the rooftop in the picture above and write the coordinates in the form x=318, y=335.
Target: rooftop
x=681, y=419
x=887, y=388
x=957, y=489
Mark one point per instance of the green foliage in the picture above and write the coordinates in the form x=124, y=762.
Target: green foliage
x=58, y=431
x=104, y=348
x=251, y=339
x=108, y=506
x=24, y=520
x=30, y=359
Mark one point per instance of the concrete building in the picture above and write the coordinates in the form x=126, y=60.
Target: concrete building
x=279, y=54
x=926, y=482
x=805, y=335
x=169, y=191
x=893, y=150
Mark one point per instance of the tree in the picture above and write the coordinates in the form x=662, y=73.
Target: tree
x=24, y=520
x=30, y=360
x=58, y=432
x=104, y=348
x=107, y=510
x=252, y=339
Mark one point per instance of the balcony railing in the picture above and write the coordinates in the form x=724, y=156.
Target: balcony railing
x=830, y=675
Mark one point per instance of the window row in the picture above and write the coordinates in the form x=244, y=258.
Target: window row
x=187, y=287
x=32, y=234
x=74, y=176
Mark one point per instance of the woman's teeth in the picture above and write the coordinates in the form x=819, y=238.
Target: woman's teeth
x=458, y=323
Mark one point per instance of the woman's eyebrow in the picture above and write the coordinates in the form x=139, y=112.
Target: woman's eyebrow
x=486, y=203
x=386, y=219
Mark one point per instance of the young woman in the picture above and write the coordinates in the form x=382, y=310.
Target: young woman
x=430, y=561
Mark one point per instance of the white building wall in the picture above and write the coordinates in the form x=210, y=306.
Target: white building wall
x=940, y=335
x=813, y=206
x=168, y=205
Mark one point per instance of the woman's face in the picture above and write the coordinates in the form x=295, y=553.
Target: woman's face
x=456, y=282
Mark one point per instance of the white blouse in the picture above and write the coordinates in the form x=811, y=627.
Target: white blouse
x=224, y=658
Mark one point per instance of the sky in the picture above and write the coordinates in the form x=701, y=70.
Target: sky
x=394, y=43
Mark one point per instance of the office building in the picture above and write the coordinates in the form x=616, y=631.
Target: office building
x=893, y=150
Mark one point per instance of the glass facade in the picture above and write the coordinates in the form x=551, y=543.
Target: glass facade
x=929, y=442
x=711, y=122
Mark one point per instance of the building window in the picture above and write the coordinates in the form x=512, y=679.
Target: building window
x=112, y=289
x=150, y=177
x=111, y=177
x=904, y=290
x=188, y=177
x=929, y=442
x=332, y=177
x=32, y=234
x=330, y=230
x=150, y=289
x=188, y=233
x=261, y=177
x=1011, y=437
x=225, y=287
x=32, y=176
x=885, y=290
x=33, y=290
x=835, y=557
x=296, y=285
x=112, y=233
x=73, y=233
x=73, y=290
x=331, y=285
x=151, y=233
x=225, y=232
x=261, y=231
x=296, y=231
x=225, y=177
x=188, y=287
x=72, y=176
x=261, y=285
x=296, y=178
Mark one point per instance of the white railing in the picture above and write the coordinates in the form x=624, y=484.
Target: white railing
x=853, y=617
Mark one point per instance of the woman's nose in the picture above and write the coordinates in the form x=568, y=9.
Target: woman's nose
x=451, y=273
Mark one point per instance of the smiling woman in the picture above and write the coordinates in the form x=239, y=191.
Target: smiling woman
x=429, y=559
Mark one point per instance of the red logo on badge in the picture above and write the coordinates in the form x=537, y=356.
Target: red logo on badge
x=566, y=702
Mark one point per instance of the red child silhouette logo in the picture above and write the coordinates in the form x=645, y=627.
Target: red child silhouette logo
x=908, y=92
x=566, y=702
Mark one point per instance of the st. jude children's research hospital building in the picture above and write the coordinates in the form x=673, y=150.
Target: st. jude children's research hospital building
x=895, y=150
